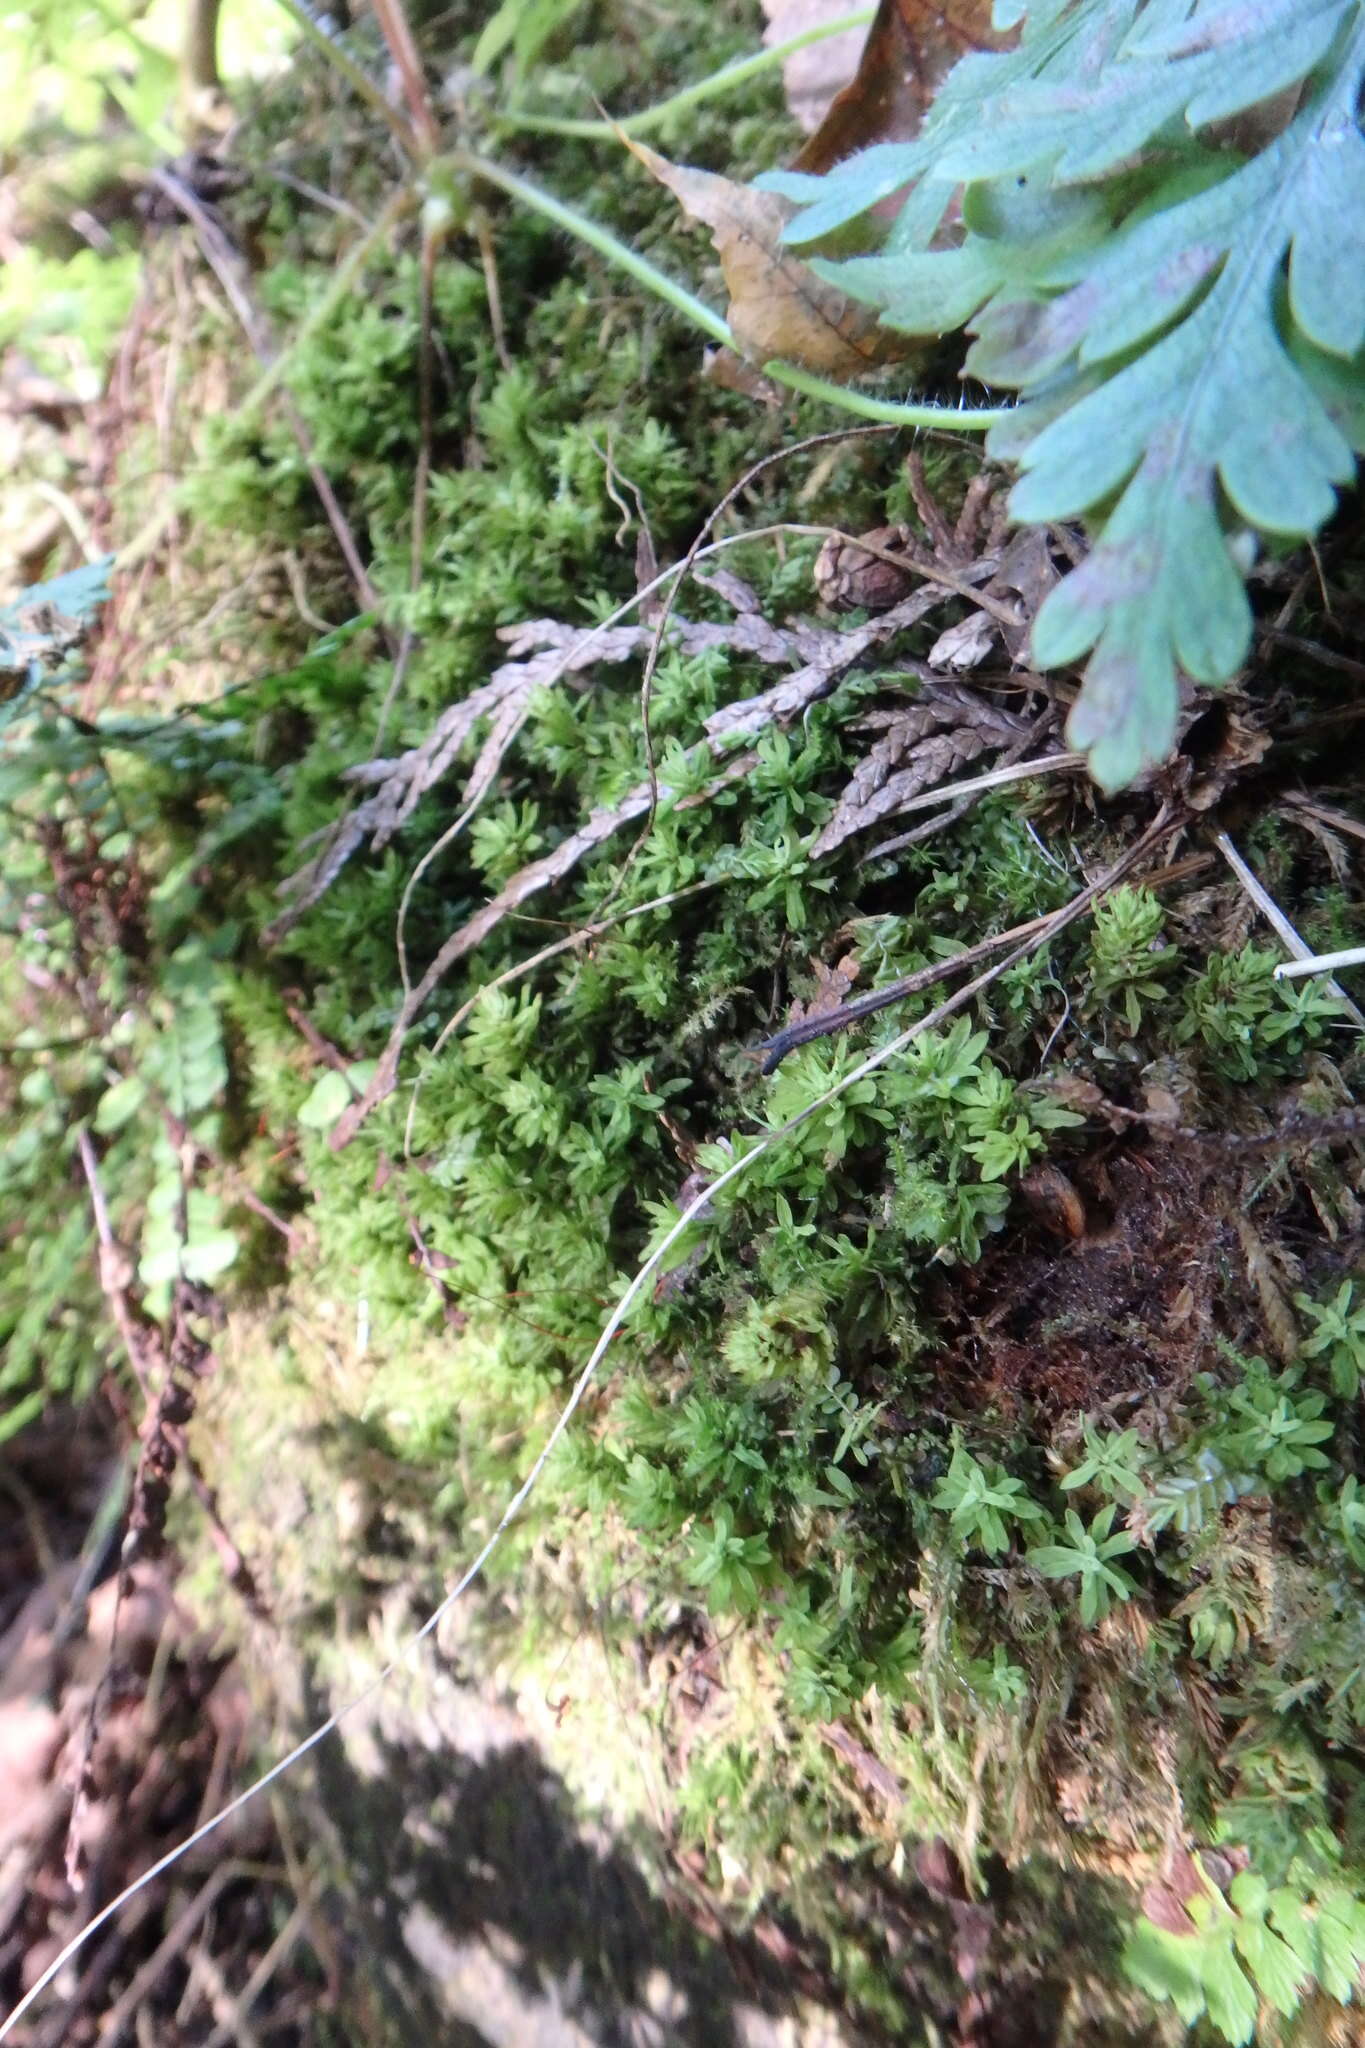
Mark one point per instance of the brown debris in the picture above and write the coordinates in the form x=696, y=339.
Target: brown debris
x=872, y=1774
x=1066, y=1323
x=910, y=48
x=542, y=653
x=849, y=577
x=925, y=744
x=124, y=1798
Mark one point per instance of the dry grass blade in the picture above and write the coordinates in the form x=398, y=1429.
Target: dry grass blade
x=1289, y=937
x=227, y=267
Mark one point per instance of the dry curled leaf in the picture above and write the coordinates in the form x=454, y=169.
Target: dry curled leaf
x=910, y=49
x=778, y=306
x=849, y=578
x=832, y=986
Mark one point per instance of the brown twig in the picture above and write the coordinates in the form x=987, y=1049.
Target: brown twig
x=402, y=47
x=226, y=265
x=182, y=1928
x=1326, y=657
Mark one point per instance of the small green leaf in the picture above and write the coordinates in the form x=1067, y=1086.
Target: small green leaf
x=332, y=1093
x=119, y=1104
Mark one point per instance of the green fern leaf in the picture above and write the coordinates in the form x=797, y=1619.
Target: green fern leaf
x=1186, y=329
x=1186, y=1501
x=1197, y=70
x=41, y=629
x=1049, y=51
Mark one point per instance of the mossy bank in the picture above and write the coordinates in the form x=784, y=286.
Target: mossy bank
x=964, y=1530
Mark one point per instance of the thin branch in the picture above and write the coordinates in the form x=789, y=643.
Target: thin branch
x=225, y=264
x=402, y=48
x=1326, y=657
x=1320, y=963
x=199, y=49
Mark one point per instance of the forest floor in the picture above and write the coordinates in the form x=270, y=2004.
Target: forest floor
x=945, y=1606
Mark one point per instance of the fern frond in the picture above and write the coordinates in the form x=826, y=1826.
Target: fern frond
x=1186, y=328
x=1187, y=1501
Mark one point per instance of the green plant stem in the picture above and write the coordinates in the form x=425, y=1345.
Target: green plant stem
x=586, y=230
x=358, y=80
x=724, y=80
x=706, y=317
x=968, y=420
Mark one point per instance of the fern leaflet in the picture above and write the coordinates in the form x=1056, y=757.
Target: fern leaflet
x=1185, y=325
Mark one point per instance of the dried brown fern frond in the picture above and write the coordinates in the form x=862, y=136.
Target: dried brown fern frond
x=542, y=653
x=923, y=744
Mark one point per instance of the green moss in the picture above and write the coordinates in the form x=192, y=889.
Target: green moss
x=847, y=1434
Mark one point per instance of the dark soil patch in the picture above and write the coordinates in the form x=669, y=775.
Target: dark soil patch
x=1106, y=1291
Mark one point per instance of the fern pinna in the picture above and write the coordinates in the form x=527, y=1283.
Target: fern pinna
x=1161, y=248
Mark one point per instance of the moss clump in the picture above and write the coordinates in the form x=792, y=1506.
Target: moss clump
x=926, y=1448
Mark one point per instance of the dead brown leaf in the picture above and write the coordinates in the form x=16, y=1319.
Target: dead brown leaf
x=910, y=49
x=778, y=307
x=832, y=986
